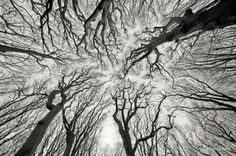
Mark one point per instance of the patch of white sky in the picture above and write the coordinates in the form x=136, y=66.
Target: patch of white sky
x=182, y=120
x=109, y=134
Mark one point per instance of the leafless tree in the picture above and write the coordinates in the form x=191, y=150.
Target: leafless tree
x=53, y=144
x=211, y=16
x=192, y=88
x=211, y=111
x=135, y=129
x=20, y=105
x=67, y=89
x=82, y=130
x=213, y=133
x=216, y=58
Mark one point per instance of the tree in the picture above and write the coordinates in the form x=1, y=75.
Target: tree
x=19, y=107
x=76, y=84
x=213, y=133
x=53, y=144
x=211, y=111
x=130, y=104
x=200, y=91
x=82, y=131
x=213, y=16
x=216, y=58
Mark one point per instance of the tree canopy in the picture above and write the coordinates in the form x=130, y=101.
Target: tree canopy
x=163, y=71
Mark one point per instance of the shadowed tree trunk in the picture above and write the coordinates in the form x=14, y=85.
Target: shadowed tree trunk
x=69, y=143
x=31, y=144
x=36, y=136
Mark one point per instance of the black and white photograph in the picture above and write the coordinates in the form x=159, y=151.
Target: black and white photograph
x=117, y=77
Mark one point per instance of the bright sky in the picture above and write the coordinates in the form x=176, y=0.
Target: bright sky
x=109, y=135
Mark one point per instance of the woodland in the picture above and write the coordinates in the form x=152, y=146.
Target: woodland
x=158, y=76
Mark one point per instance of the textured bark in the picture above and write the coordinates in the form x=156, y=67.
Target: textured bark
x=36, y=136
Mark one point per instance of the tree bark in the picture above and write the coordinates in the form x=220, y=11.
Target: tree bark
x=125, y=137
x=221, y=15
x=69, y=144
x=36, y=136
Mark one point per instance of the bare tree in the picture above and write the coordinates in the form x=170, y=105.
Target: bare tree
x=82, y=130
x=214, y=15
x=67, y=90
x=216, y=58
x=20, y=40
x=211, y=111
x=130, y=104
x=20, y=105
x=213, y=133
x=53, y=144
x=198, y=90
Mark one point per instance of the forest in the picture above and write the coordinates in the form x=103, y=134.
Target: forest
x=117, y=77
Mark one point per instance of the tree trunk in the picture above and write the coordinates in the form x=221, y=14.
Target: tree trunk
x=125, y=137
x=221, y=15
x=127, y=144
x=69, y=143
x=36, y=136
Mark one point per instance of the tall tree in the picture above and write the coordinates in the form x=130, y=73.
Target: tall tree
x=67, y=89
x=82, y=130
x=130, y=104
